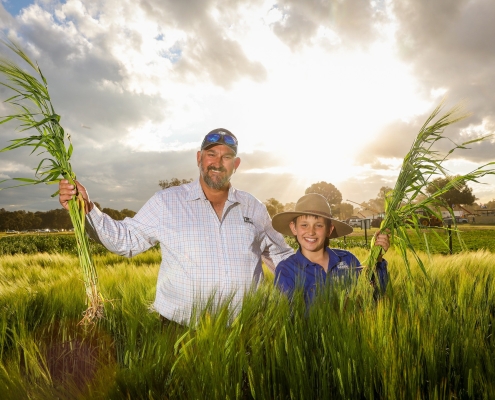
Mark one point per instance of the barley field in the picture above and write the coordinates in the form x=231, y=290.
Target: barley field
x=425, y=338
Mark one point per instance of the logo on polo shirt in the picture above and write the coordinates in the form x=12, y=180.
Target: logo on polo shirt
x=248, y=220
x=342, y=265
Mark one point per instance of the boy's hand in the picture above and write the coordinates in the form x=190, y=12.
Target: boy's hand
x=382, y=240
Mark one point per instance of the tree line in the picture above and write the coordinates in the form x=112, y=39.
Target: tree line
x=59, y=218
x=54, y=219
x=461, y=195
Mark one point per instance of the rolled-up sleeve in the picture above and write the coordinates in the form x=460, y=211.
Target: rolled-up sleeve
x=128, y=237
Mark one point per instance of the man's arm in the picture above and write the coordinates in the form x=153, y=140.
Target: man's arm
x=126, y=238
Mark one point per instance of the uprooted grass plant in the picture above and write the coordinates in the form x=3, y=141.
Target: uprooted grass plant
x=408, y=202
x=34, y=111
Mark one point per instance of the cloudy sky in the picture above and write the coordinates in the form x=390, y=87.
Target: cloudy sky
x=315, y=90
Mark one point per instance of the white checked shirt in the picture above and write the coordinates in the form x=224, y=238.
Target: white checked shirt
x=201, y=255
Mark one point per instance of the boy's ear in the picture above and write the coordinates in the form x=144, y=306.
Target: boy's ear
x=292, y=227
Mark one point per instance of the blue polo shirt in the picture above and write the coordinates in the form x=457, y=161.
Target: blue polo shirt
x=298, y=270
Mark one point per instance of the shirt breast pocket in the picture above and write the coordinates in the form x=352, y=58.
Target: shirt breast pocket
x=244, y=238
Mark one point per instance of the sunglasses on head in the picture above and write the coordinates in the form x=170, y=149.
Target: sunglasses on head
x=219, y=137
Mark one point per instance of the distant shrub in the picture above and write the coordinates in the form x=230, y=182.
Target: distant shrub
x=32, y=244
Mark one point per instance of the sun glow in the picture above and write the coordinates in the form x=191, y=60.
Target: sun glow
x=318, y=106
x=325, y=109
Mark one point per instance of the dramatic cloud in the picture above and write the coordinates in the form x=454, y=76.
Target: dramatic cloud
x=315, y=90
x=449, y=45
x=348, y=23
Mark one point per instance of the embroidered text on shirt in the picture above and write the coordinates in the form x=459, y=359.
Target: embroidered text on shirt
x=342, y=265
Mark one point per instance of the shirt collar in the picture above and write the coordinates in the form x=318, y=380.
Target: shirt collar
x=196, y=193
x=302, y=260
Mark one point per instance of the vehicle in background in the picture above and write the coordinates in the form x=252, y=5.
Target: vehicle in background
x=458, y=220
x=11, y=231
x=359, y=222
x=428, y=220
x=446, y=214
x=354, y=222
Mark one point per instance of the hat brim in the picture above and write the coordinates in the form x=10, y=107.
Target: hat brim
x=282, y=220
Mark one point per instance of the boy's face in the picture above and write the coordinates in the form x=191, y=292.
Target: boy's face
x=311, y=232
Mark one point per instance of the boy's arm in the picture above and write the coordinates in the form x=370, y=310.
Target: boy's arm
x=381, y=268
x=284, y=278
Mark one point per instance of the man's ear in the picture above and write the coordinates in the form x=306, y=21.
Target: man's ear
x=237, y=162
x=198, y=157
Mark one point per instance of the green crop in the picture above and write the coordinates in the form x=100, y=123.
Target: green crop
x=408, y=202
x=35, y=111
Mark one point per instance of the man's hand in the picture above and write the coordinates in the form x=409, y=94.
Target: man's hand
x=67, y=190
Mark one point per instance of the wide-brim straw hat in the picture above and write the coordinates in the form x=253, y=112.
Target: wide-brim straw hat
x=310, y=204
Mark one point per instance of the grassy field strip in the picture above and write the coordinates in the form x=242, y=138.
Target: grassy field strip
x=418, y=341
x=474, y=239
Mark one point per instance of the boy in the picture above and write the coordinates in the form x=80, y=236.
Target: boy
x=313, y=226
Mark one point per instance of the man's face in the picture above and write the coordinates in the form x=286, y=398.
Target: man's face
x=216, y=165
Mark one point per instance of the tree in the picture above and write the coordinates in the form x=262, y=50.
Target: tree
x=119, y=215
x=346, y=210
x=114, y=214
x=327, y=190
x=290, y=206
x=18, y=220
x=127, y=213
x=54, y=219
x=377, y=205
x=490, y=205
x=173, y=182
x=274, y=206
x=461, y=195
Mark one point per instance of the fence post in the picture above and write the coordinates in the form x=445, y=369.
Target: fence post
x=450, y=236
x=363, y=221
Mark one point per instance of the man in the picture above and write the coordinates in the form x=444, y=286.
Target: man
x=212, y=236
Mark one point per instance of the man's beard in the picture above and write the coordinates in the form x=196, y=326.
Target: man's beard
x=215, y=184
